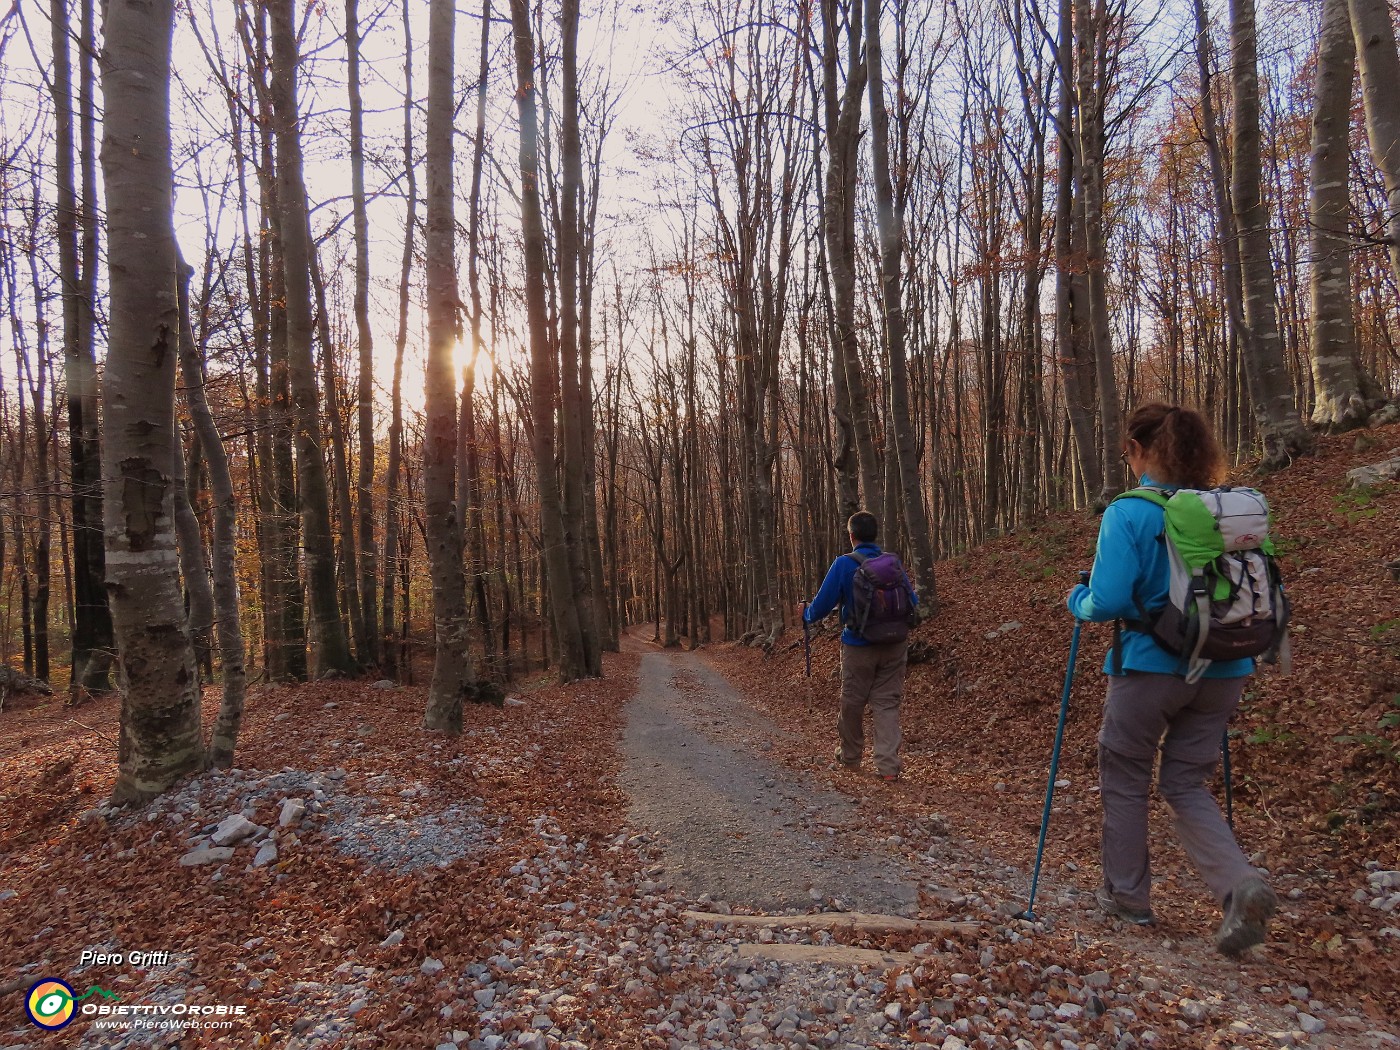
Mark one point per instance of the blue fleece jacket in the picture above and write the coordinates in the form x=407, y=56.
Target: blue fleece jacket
x=1132, y=572
x=837, y=588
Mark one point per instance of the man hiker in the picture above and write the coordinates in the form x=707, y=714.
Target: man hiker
x=877, y=606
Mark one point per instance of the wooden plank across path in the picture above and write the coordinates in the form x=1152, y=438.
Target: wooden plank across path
x=861, y=922
x=827, y=954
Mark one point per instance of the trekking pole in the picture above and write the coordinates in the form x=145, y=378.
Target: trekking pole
x=806, y=640
x=1229, y=787
x=1029, y=913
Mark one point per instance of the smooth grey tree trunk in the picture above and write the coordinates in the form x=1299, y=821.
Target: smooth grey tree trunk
x=1070, y=288
x=452, y=668
x=199, y=595
x=574, y=411
x=1233, y=291
x=160, y=720
x=890, y=221
x=367, y=624
x=1380, y=91
x=1091, y=30
x=394, y=467
x=1343, y=390
x=469, y=493
x=343, y=504
x=1271, y=389
x=842, y=106
x=228, y=628
x=92, y=620
x=331, y=646
x=544, y=385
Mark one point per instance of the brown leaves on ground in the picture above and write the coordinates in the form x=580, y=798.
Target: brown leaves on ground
x=84, y=883
x=1317, y=794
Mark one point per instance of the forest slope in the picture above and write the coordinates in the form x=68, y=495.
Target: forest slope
x=1316, y=754
x=487, y=890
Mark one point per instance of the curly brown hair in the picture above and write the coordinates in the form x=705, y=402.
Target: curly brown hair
x=1180, y=443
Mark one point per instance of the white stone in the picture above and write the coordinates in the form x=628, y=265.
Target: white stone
x=266, y=854
x=431, y=967
x=1311, y=1024
x=1194, y=1010
x=234, y=828
x=384, y=683
x=207, y=855
x=1374, y=474
x=393, y=940
x=293, y=809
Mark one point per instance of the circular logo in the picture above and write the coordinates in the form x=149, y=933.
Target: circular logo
x=50, y=1004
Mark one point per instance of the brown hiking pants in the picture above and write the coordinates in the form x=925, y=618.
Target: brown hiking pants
x=1145, y=713
x=874, y=675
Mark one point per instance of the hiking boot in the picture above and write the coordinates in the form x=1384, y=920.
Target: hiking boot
x=844, y=764
x=1248, y=908
x=1110, y=905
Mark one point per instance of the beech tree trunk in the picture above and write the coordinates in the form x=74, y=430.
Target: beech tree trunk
x=228, y=629
x=92, y=620
x=1233, y=292
x=394, y=466
x=367, y=626
x=284, y=615
x=331, y=647
x=1071, y=291
x=160, y=725
x=574, y=410
x=469, y=466
x=891, y=230
x=452, y=669
x=1380, y=91
x=1343, y=391
x=343, y=504
x=842, y=106
x=544, y=385
x=1091, y=30
x=199, y=595
x=1272, y=392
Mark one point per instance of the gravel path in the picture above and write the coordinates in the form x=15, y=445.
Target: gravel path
x=732, y=825
x=731, y=828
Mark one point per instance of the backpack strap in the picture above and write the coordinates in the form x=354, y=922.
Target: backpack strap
x=860, y=559
x=1200, y=594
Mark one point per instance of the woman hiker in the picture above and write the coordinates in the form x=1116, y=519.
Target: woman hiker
x=1151, y=707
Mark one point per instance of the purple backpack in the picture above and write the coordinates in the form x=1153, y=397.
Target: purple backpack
x=882, y=605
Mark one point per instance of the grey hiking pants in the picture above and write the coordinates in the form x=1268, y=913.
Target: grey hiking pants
x=874, y=675
x=1146, y=712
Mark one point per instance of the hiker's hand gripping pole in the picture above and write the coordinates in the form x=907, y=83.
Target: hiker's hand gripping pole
x=806, y=640
x=1029, y=913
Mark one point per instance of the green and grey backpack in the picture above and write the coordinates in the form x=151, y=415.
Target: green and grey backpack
x=1226, y=598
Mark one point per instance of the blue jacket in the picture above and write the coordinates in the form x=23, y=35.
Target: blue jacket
x=837, y=588
x=1132, y=572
